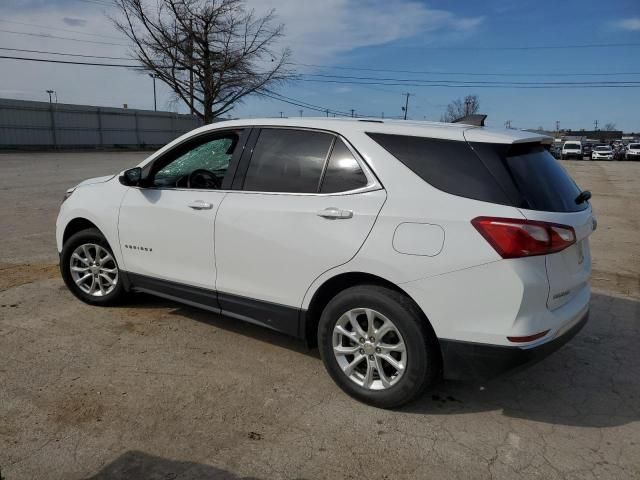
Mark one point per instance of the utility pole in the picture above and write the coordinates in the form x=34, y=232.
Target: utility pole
x=507, y=124
x=281, y=114
x=327, y=110
x=406, y=104
x=155, y=105
x=301, y=111
x=595, y=124
x=353, y=113
x=382, y=115
x=50, y=92
x=557, y=125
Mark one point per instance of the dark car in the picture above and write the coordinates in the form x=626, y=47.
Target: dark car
x=555, y=150
x=586, y=149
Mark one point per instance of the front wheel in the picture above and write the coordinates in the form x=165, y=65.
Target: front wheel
x=90, y=270
x=377, y=346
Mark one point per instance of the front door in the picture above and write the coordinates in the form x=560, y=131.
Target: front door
x=166, y=227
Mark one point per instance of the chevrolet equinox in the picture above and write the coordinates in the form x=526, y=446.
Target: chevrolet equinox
x=406, y=251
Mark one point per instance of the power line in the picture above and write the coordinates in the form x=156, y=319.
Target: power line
x=301, y=103
x=356, y=68
x=60, y=29
x=462, y=85
x=69, y=62
x=98, y=2
x=63, y=38
x=485, y=74
x=491, y=82
x=426, y=83
x=63, y=54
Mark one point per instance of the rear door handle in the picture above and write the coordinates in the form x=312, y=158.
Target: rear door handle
x=200, y=205
x=335, y=213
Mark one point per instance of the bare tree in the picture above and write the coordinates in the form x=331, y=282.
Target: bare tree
x=212, y=53
x=609, y=127
x=461, y=107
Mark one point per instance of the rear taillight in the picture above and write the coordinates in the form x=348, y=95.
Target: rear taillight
x=514, y=238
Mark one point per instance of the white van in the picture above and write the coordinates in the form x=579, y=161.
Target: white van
x=571, y=150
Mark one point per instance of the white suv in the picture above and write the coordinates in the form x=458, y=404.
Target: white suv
x=405, y=250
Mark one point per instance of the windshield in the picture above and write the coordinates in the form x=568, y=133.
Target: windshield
x=634, y=146
x=572, y=146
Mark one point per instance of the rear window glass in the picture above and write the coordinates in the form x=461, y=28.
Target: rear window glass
x=542, y=181
x=521, y=175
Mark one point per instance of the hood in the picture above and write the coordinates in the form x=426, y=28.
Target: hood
x=91, y=181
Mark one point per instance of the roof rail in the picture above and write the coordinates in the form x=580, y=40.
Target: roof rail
x=474, y=119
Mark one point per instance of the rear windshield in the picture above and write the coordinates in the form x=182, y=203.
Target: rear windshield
x=521, y=175
x=603, y=149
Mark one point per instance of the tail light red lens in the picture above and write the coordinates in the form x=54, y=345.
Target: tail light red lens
x=515, y=238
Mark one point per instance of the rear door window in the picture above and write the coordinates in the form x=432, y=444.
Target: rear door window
x=287, y=160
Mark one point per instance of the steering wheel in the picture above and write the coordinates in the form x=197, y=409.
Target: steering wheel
x=202, y=178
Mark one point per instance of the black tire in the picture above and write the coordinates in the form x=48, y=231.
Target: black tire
x=423, y=358
x=94, y=236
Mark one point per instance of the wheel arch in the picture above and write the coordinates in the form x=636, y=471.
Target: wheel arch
x=76, y=225
x=331, y=287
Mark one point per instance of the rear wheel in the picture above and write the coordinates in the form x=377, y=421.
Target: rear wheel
x=377, y=346
x=89, y=268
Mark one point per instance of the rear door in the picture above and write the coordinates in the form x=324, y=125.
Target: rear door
x=303, y=203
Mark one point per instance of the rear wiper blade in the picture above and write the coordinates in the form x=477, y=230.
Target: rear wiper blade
x=583, y=197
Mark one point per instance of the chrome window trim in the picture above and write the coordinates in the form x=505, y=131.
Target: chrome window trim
x=373, y=183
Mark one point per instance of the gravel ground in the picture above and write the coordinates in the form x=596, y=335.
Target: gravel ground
x=157, y=390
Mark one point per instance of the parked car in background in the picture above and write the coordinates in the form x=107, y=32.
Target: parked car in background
x=602, y=152
x=586, y=150
x=633, y=152
x=571, y=149
x=404, y=250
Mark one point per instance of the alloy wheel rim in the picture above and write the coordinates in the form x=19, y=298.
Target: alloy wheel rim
x=93, y=269
x=369, y=349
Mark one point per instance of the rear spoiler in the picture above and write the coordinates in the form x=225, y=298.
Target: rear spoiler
x=476, y=120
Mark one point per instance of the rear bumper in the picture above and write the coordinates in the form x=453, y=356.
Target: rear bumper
x=468, y=360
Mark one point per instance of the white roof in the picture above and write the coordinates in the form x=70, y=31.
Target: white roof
x=448, y=131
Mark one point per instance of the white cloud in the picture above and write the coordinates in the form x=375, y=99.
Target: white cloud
x=320, y=30
x=632, y=24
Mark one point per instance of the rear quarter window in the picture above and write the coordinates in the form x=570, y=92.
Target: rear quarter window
x=520, y=175
x=448, y=165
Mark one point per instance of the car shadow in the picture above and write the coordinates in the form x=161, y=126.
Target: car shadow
x=135, y=465
x=256, y=332
x=592, y=381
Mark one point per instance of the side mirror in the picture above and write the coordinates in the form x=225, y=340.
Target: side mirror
x=131, y=177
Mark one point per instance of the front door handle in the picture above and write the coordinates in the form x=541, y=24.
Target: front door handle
x=200, y=205
x=335, y=213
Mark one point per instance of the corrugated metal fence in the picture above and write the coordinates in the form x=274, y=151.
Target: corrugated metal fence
x=25, y=124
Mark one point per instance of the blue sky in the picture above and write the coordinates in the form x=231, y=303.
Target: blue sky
x=348, y=38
